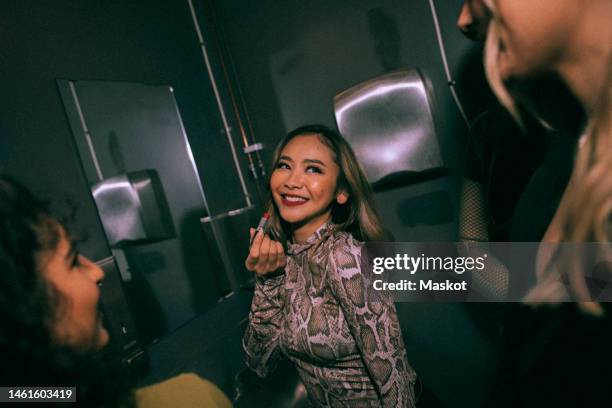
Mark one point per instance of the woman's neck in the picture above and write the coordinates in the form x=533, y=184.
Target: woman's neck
x=586, y=64
x=302, y=232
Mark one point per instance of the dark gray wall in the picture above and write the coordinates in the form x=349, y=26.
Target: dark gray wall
x=291, y=58
x=151, y=42
x=139, y=41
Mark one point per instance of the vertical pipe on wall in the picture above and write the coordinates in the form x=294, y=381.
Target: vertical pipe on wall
x=221, y=52
x=90, y=145
x=223, y=253
x=219, y=102
x=449, y=78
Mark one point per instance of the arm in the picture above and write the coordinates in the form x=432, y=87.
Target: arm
x=261, y=339
x=473, y=218
x=373, y=322
x=493, y=282
x=473, y=215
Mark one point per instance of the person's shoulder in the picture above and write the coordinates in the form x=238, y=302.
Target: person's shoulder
x=344, y=251
x=343, y=240
x=184, y=390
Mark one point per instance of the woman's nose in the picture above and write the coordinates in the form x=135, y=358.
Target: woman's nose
x=95, y=272
x=294, y=180
x=465, y=20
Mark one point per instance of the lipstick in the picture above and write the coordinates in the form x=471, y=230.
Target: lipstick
x=263, y=225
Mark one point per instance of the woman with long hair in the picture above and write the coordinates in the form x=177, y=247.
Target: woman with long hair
x=313, y=304
x=559, y=355
x=571, y=39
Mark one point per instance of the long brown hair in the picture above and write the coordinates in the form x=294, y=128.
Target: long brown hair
x=358, y=215
x=585, y=210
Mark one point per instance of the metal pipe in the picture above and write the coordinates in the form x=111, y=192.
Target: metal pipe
x=227, y=81
x=213, y=82
x=449, y=79
x=92, y=150
x=248, y=144
x=225, y=259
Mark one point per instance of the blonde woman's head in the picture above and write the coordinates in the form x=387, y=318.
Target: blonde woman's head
x=528, y=39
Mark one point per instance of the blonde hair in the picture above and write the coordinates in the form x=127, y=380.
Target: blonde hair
x=585, y=209
x=358, y=215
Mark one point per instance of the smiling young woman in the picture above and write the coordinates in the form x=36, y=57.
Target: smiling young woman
x=312, y=302
x=76, y=279
x=51, y=333
x=50, y=329
x=358, y=214
x=303, y=185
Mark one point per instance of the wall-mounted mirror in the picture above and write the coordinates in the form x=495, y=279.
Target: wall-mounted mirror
x=139, y=164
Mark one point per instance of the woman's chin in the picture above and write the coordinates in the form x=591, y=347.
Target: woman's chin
x=291, y=217
x=505, y=68
x=511, y=69
x=102, y=338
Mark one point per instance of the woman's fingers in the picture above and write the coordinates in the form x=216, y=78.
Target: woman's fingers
x=265, y=254
x=280, y=260
x=255, y=251
x=250, y=263
x=273, y=257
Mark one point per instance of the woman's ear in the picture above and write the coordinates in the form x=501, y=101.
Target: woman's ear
x=342, y=197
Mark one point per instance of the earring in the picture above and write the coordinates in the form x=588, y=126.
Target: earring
x=342, y=198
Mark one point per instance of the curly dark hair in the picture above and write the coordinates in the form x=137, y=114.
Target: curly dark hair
x=28, y=306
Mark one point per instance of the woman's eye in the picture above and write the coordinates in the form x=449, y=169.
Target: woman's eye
x=313, y=169
x=282, y=165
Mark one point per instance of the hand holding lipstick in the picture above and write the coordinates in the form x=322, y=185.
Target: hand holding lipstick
x=265, y=255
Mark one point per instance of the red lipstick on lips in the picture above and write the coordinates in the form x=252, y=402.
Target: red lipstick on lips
x=292, y=203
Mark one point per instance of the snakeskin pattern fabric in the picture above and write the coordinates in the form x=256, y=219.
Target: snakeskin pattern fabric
x=322, y=314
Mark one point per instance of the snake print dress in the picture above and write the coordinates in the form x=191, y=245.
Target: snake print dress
x=343, y=336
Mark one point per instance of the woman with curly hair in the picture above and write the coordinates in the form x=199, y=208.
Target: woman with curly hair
x=51, y=333
x=48, y=304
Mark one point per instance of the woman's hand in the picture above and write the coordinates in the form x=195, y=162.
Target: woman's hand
x=266, y=255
